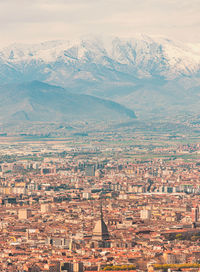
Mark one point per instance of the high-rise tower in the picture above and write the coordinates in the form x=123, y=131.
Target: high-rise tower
x=100, y=233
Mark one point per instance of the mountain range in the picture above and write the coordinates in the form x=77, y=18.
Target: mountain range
x=153, y=76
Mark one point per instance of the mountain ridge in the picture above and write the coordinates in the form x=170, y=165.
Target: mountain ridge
x=38, y=101
x=135, y=51
x=150, y=75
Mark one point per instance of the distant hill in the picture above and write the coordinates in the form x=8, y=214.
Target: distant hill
x=38, y=101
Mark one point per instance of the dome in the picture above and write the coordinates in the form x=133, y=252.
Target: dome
x=100, y=231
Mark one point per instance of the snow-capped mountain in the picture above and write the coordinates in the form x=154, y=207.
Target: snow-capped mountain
x=144, y=55
x=143, y=71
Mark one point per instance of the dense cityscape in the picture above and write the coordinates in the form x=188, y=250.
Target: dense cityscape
x=99, y=136
x=86, y=205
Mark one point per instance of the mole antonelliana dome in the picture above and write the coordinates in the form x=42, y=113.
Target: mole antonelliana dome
x=100, y=231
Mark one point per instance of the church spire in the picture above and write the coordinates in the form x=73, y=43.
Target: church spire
x=100, y=231
x=101, y=210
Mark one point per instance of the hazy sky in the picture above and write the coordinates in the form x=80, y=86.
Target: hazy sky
x=41, y=20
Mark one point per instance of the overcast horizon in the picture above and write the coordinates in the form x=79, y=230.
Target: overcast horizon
x=24, y=21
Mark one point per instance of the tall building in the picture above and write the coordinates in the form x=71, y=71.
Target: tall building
x=24, y=214
x=195, y=214
x=78, y=267
x=90, y=170
x=100, y=235
x=145, y=214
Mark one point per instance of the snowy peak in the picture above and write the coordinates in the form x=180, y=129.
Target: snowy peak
x=144, y=73
x=97, y=59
